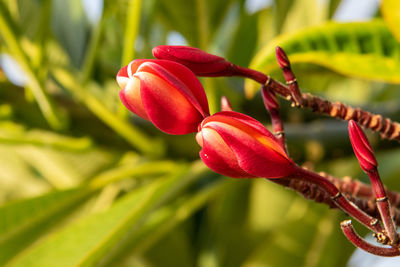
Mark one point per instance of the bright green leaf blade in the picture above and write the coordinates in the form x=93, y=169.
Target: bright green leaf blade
x=282, y=10
x=195, y=20
x=131, y=30
x=71, y=28
x=163, y=221
x=363, y=49
x=84, y=242
x=391, y=14
x=12, y=133
x=10, y=35
x=22, y=222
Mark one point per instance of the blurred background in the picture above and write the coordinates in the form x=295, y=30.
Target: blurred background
x=85, y=183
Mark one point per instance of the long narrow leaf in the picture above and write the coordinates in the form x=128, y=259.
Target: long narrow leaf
x=360, y=49
x=84, y=242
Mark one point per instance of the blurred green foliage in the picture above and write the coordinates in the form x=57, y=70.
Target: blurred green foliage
x=84, y=183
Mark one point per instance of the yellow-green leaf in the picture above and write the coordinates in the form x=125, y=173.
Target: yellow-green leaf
x=359, y=49
x=391, y=15
x=22, y=222
x=83, y=242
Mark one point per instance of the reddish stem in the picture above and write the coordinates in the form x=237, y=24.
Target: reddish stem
x=249, y=73
x=339, y=199
x=313, y=192
x=354, y=238
x=383, y=206
x=284, y=64
x=271, y=104
x=356, y=188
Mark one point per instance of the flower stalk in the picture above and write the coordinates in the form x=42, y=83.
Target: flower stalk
x=341, y=201
x=271, y=104
x=366, y=158
x=354, y=238
x=291, y=81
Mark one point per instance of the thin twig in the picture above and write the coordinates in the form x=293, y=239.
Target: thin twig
x=387, y=128
x=271, y=104
x=313, y=192
x=354, y=238
x=291, y=81
x=340, y=200
x=382, y=201
x=356, y=188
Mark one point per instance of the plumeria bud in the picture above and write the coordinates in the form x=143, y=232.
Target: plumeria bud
x=225, y=104
x=362, y=148
x=164, y=92
x=269, y=98
x=197, y=60
x=281, y=58
x=205, y=64
x=237, y=145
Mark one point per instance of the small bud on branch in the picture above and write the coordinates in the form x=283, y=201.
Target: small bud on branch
x=366, y=158
x=362, y=148
x=225, y=104
x=284, y=64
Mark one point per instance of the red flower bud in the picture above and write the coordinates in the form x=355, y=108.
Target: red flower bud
x=198, y=61
x=237, y=145
x=362, y=148
x=164, y=92
x=282, y=58
x=205, y=64
x=225, y=104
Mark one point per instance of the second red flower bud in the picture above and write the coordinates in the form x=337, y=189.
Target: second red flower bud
x=236, y=145
x=164, y=92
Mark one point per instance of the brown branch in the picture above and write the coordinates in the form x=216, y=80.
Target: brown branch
x=313, y=192
x=338, y=198
x=355, y=188
x=387, y=128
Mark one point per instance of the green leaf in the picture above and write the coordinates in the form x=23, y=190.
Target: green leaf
x=12, y=133
x=391, y=14
x=71, y=28
x=304, y=13
x=333, y=5
x=282, y=10
x=311, y=239
x=11, y=36
x=84, y=242
x=195, y=20
x=361, y=49
x=244, y=42
x=163, y=221
x=23, y=221
x=131, y=30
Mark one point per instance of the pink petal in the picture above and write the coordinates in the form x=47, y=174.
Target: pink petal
x=187, y=77
x=218, y=156
x=122, y=77
x=254, y=157
x=247, y=123
x=166, y=107
x=185, y=89
x=131, y=98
